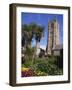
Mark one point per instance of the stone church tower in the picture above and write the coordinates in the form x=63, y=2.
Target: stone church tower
x=53, y=36
x=50, y=39
x=56, y=38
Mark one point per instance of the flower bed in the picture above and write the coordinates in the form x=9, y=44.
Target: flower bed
x=26, y=72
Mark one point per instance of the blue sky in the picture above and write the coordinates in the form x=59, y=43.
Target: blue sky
x=43, y=19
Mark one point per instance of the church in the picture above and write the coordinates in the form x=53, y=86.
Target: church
x=54, y=47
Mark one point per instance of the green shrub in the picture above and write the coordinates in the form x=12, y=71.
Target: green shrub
x=40, y=73
x=47, y=66
x=44, y=66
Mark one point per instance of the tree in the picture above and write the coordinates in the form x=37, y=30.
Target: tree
x=38, y=36
x=26, y=35
x=30, y=31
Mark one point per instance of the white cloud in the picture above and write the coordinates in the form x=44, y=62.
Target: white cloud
x=43, y=47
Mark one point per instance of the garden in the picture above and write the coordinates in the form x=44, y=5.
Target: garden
x=42, y=67
x=33, y=64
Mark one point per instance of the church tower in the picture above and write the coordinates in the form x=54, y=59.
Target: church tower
x=56, y=38
x=53, y=36
x=50, y=39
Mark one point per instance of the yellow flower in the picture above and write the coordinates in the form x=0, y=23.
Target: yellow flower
x=24, y=69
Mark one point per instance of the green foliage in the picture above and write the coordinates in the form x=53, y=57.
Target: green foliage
x=28, y=63
x=28, y=55
x=40, y=73
x=47, y=66
x=29, y=51
x=32, y=30
x=41, y=67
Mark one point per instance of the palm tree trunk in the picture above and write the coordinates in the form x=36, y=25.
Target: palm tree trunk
x=36, y=52
x=37, y=48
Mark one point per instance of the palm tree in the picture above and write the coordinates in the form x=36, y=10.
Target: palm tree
x=26, y=42
x=30, y=31
x=38, y=36
x=27, y=34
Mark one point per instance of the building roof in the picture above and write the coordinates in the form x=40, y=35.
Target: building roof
x=42, y=49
